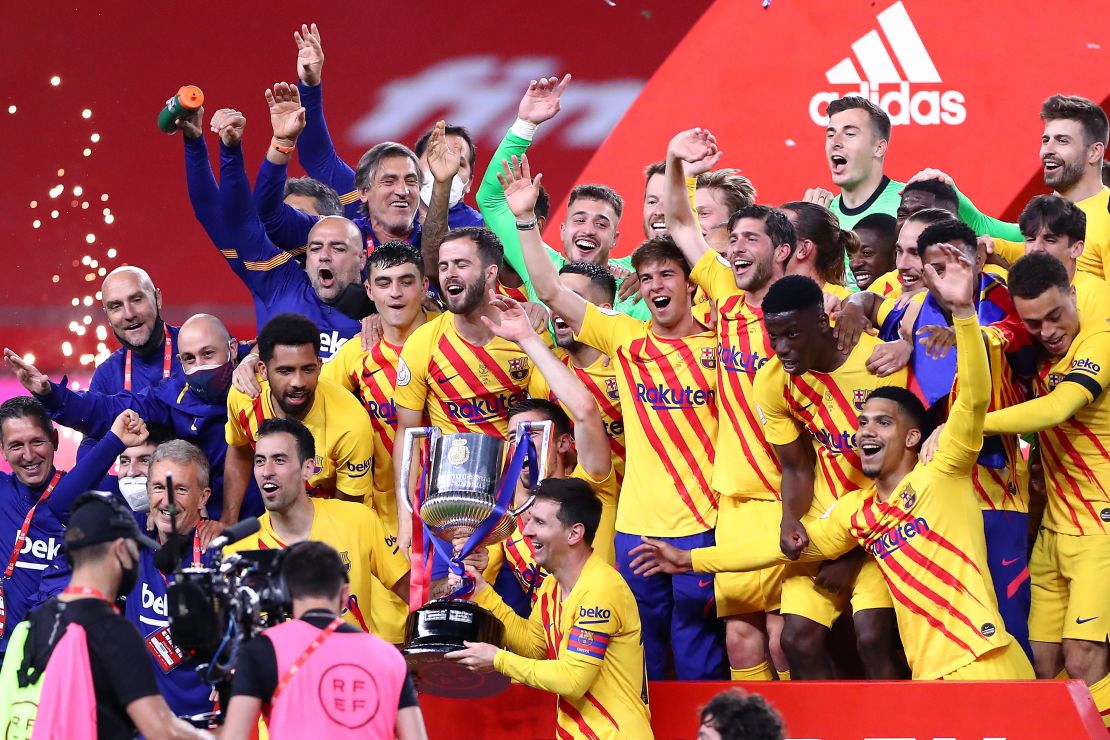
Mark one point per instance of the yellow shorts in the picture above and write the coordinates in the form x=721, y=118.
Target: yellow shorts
x=802, y=596
x=387, y=613
x=1004, y=663
x=1070, y=580
x=756, y=591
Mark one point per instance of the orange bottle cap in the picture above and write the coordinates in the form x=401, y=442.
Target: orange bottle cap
x=190, y=96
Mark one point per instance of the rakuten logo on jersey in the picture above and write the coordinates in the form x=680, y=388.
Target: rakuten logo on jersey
x=910, y=96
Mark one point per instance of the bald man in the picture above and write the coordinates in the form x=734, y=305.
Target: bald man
x=148, y=355
x=192, y=401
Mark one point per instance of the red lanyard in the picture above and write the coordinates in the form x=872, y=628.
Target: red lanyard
x=166, y=360
x=303, y=657
x=90, y=592
x=22, y=535
x=196, y=549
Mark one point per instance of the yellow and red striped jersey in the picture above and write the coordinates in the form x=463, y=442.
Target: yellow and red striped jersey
x=1000, y=488
x=668, y=390
x=827, y=405
x=1074, y=454
x=461, y=387
x=886, y=284
x=585, y=647
x=742, y=348
x=928, y=540
x=372, y=376
x=600, y=380
x=517, y=551
x=339, y=425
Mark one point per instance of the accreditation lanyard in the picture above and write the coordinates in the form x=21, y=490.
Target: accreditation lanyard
x=91, y=593
x=303, y=657
x=166, y=363
x=20, y=538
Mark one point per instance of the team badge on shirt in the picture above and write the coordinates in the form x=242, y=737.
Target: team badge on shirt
x=708, y=358
x=518, y=368
x=587, y=642
x=611, y=388
x=859, y=397
x=404, y=375
x=909, y=497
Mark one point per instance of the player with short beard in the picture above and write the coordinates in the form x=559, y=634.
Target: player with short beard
x=454, y=373
x=289, y=359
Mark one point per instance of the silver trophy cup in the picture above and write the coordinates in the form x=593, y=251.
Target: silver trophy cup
x=463, y=475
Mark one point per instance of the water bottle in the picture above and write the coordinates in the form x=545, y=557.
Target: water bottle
x=187, y=100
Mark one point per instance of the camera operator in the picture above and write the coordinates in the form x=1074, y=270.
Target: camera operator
x=180, y=546
x=310, y=673
x=103, y=543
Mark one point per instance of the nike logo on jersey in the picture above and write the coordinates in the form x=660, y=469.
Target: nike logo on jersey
x=1079, y=620
x=1007, y=562
x=441, y=381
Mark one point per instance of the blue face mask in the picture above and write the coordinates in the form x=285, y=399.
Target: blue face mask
x=210, y=383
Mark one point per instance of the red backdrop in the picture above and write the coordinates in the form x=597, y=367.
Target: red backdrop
x=390, y=71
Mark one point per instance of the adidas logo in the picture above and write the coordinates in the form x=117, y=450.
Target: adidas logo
x=903, y=104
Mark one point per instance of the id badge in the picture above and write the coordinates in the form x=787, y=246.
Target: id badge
x=3, y=610
x=161, y=646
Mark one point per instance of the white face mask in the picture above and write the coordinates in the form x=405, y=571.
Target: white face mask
x=134, y=492
x=457, y=187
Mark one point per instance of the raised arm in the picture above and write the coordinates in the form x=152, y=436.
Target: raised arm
x=87, y=412
x=540, y=103
x=696, y=145
x=444, y=163
x=955, y=289
x=521, y=191
x=286, y=226
x=594, y=452
x=316, y=151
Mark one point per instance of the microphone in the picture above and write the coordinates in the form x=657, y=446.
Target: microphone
x=236, y=532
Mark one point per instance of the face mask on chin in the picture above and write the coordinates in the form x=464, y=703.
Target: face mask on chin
x=457, y=188
x=134, y=492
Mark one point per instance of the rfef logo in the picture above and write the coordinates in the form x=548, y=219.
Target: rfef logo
x=900, y=94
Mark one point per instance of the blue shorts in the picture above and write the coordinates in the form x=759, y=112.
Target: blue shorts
x=1007, y=534
x=678, y=615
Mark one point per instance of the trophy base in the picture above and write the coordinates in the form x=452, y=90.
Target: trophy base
x=441, y=627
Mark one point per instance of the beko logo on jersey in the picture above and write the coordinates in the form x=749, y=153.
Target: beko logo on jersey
x=662, y=398
x=157, y=603
x=899, y=94
x=483, y=409
x=41, y=549
x=330, y=343
x=838, y=442
x=357, y=470
x=736, y=360
x=897, y=537
x=593, y=615
x=1086, y=365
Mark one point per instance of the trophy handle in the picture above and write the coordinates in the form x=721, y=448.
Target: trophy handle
x=548, y=428
x=411, y=435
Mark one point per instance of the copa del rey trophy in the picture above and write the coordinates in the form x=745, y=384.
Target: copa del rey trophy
x=466, y=490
